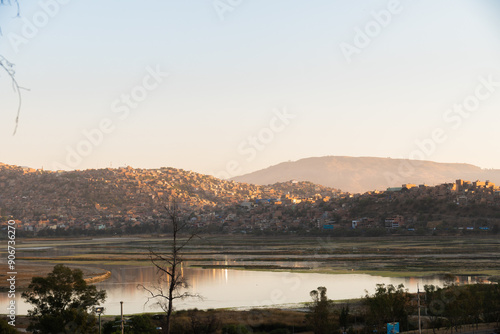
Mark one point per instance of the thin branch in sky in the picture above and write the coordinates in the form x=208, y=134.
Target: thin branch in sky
x=9, y=69
x=9, y=2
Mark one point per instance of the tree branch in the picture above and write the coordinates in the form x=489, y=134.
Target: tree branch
x=9, y=69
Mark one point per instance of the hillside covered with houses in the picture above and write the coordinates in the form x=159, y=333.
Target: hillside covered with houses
x=127, y=201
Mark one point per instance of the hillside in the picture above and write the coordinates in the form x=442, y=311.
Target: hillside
x=124, y=193
x=129, y=201
x=358, y=175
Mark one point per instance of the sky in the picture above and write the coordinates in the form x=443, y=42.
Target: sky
x=227, y=87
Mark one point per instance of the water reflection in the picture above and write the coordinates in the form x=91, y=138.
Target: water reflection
x=237, y=288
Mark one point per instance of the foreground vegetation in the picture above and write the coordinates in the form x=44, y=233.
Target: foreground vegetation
x=452, y=308
x=62, y=302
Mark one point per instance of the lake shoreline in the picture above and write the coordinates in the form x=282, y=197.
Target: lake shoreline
x=386, y=257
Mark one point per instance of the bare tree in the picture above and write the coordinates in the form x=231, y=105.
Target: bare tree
x=171, y=283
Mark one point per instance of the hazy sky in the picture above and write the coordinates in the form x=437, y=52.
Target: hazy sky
x=227, y=87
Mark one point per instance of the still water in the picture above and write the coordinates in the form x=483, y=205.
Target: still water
x=222, y=288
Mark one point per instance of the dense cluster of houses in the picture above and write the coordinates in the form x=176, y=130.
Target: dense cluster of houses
x=129, y=200
x=125, y=197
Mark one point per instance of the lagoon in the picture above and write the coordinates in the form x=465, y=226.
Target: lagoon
x=228, y=288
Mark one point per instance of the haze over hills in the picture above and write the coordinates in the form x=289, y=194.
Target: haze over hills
x=361, y=174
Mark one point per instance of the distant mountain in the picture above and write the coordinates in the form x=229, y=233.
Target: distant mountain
x=358, y=175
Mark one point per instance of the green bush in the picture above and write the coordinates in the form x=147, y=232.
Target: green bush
x=6, y=328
